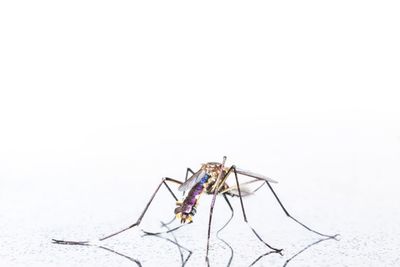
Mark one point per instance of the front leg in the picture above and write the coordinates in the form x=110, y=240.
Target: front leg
x=188, y=171
x=138, y=221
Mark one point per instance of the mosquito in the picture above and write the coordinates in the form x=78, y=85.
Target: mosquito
x=211, y=179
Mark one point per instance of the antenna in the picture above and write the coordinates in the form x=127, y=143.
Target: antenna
x=223, y=161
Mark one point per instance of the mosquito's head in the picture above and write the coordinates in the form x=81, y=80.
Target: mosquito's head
x=212, y=165
x=212, y=168
x=215, y=165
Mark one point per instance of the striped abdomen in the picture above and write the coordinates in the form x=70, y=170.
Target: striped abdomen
x=187, y=208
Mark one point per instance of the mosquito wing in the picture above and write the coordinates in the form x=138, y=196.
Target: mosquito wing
x=255, y=175
x=192, y=180
x=245, y=189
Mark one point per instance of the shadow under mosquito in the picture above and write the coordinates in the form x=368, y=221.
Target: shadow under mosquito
x=296, y=254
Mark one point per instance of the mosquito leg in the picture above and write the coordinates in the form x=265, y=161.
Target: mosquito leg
x=163, y=181
x=223, y=227
x=294, y=219
x=244, y=213
x=188, y=170
x=232, y=213
x=146, y=207
x=209, y=224
x=167, y=179
x=216, y=190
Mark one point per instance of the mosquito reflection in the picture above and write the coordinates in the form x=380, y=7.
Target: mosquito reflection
x=111, y=251
x=175, y=242
x=184, y=260
x=122, y=255
x=171, y=230
x=136, y=261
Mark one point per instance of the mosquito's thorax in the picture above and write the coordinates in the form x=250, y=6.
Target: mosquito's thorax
x=214, y=170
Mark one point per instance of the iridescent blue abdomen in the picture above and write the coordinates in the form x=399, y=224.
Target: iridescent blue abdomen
x=187, y=209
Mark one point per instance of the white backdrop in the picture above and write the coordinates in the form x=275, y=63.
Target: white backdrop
x=100, y=97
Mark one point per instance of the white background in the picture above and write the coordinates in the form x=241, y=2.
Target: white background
x=99, y=100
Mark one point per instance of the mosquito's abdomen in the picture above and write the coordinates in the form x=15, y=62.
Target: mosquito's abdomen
x=187, y=208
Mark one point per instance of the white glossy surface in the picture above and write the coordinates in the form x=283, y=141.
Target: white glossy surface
x=99, y=100
x=343, y=182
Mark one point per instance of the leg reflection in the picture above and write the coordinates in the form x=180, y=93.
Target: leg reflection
x=309, y=246
x=164, y=232
x=136, y=261
x=262, y=256
x=223, y=227
x=104, y=248
x=296, y=254
x=122, y=255
x=175, y=241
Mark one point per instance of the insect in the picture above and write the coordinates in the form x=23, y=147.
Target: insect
x=211, y=179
